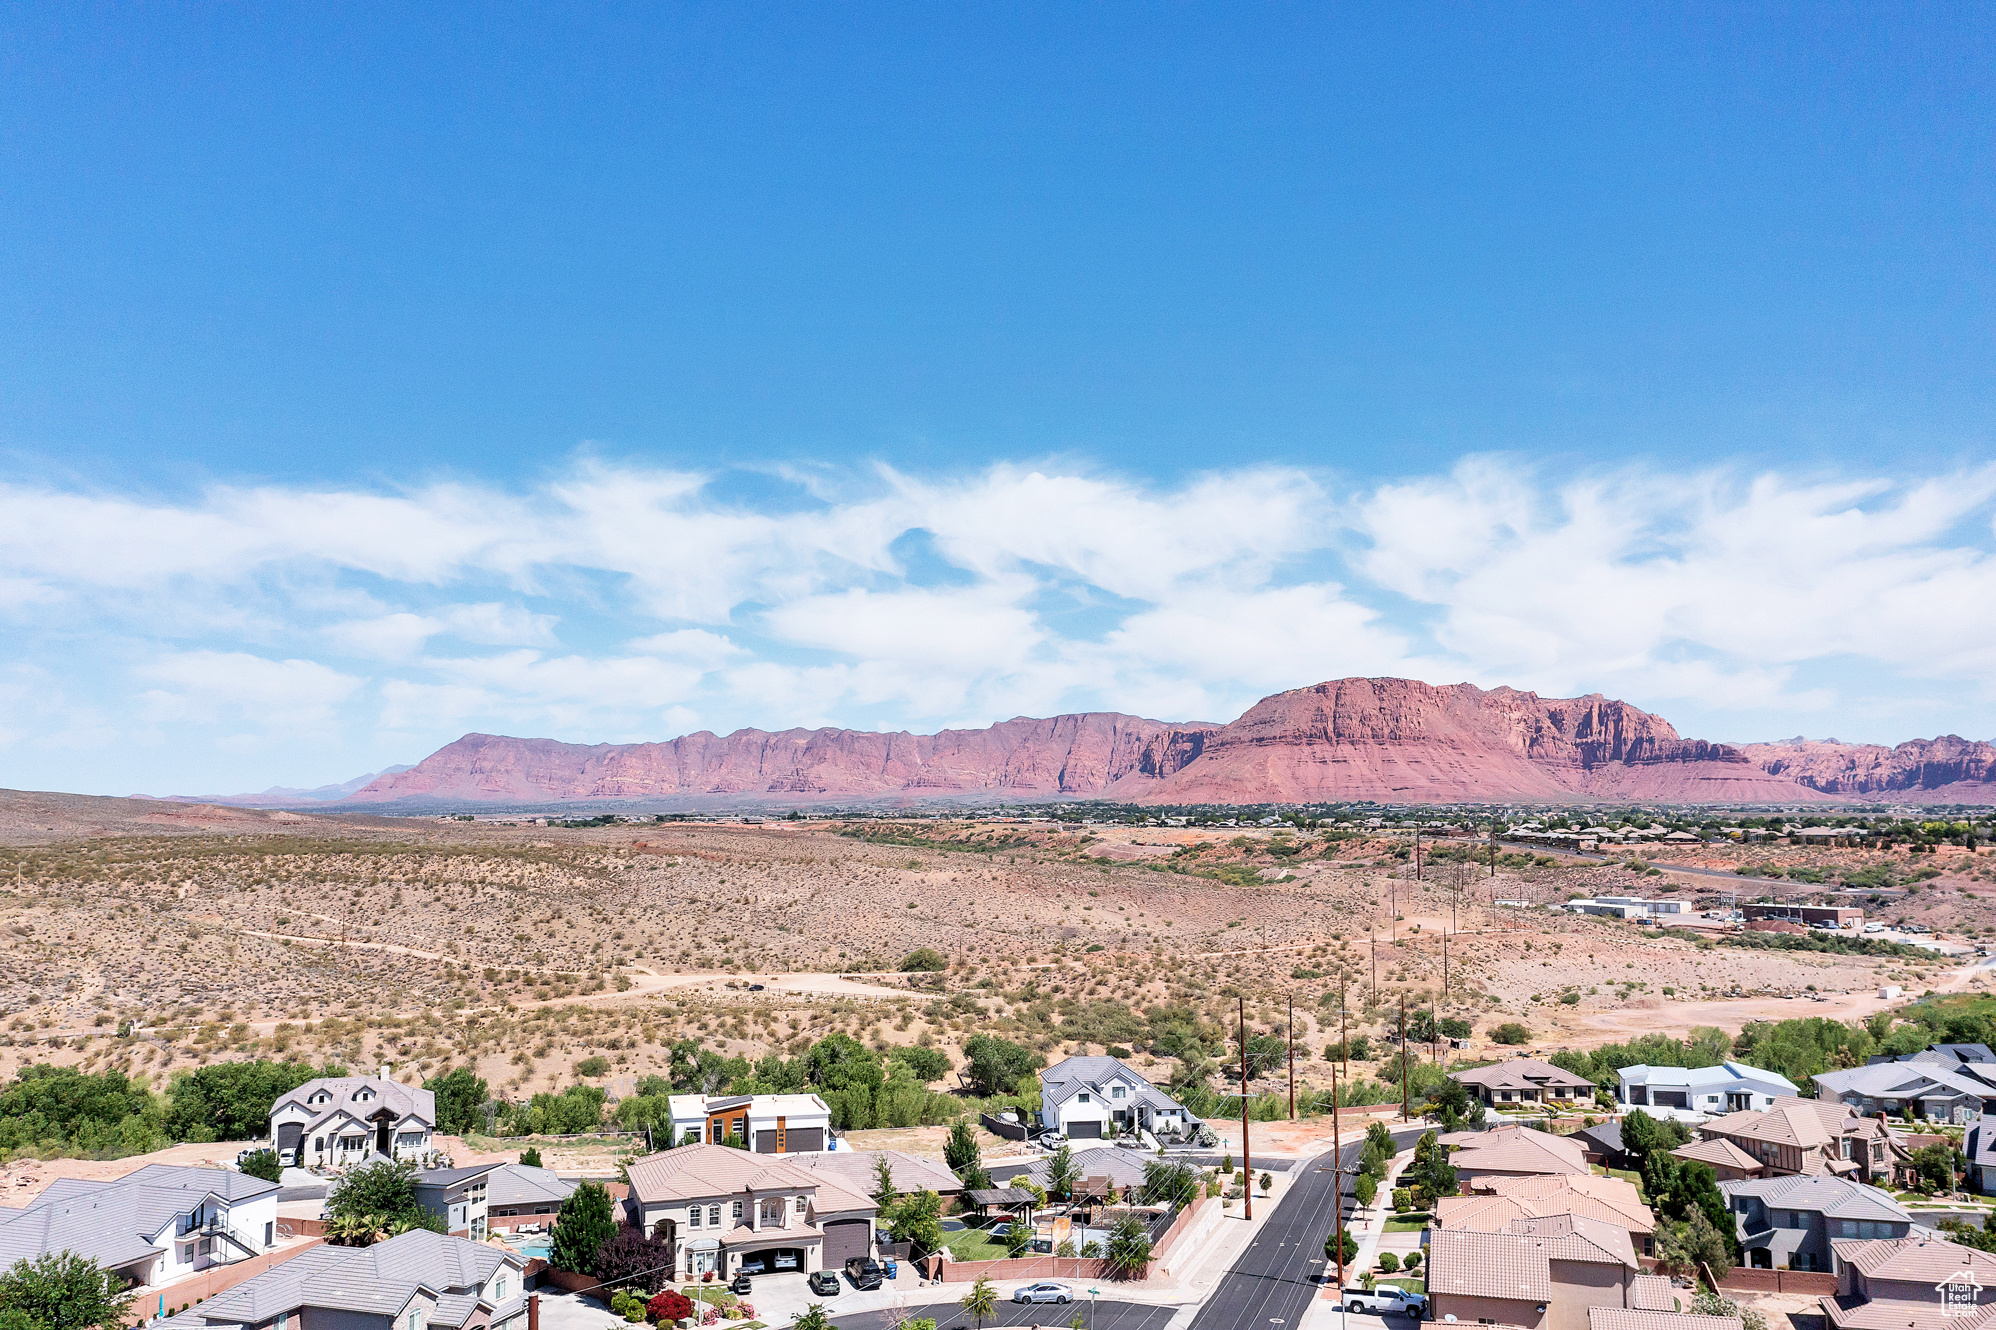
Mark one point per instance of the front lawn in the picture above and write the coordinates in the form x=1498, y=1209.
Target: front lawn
x=1405, y=1224
x=972, y=1244
x=1412, y=1283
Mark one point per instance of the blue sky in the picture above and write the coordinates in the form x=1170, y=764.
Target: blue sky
x=372, y=375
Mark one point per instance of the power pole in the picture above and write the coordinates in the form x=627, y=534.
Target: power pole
x=1247, y=1162
x=1493, y=849
x=1292, y=1057
x=1444, y=964
x=1344, y=1043
x=1417, y=854
x=1403, y=1058
x=1375, y=962
x=1338, y=1186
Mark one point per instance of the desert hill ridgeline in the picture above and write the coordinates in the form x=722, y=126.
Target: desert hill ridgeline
x=1388, y=740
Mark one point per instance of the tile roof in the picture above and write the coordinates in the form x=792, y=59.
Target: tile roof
x=1920, y=1260
x=855, y=1167
x=1625, y=1318
x=1577, y=1238
x=379, y=1280
x=691, y=1171
x=1901, y=1314
x=1718, y=1152
x=1488, y=1265
x=1652, y=1293
x=113, y=1223
x=1610, y=1200
x=1517, y=1150
x=1838, y=1198
x=1520, y=1074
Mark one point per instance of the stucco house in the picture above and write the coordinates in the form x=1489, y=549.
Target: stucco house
x=1512, y=1152
x=768, y=1124
x=1789, y=1223
x=417, y=1281
x=152, y=1227
x=1545, y=1274
x=1926, y=1085
x=520, y=1194
x=1095, y=1098
x=1808, y=1136
x=342, y=1121
x=1892, y=1282
x=724, y=1211
x=1500, y=1201
x=459, y=1196
x=1730, y=1087
x=1525, y=1083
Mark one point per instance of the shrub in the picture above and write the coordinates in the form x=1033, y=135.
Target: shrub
x=669, y=1305
x=595, y=1065
x=1403, y=1199
x=1510, y=1032
x=630, y=1260
x=1389, y=1262
x=262, y=1164
x=924, y=960
x=1412, y=1261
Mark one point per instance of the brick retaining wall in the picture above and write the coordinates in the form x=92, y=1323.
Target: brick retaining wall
x=1742, y=1279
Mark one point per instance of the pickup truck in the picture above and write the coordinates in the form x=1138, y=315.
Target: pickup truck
x=1386, y=1300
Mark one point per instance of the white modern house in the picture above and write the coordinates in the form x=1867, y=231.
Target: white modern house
x=340, y=1121
x=1701, y=1092
x=155, y=1226
x=1094, y=1098
x=768, y=1124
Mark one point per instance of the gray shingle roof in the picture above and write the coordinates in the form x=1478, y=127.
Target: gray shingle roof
x=1838, y=1198
x=523, y=1184
x=1070, y=1076
x=113, y=1223
x=1123, y=1168
x=379, y=1279
x=402, y=1100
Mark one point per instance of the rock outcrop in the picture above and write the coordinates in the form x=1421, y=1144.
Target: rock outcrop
x=1949, y=769
x=1388, y=740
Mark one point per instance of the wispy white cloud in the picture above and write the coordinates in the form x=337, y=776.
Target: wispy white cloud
x=625, y=602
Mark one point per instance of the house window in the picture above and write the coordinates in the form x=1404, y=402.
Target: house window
x=714, y=1216
x=737, y=1215
x=269, y=1233
x=283, y=1321
x=1116, y=1092
x=499, y=1287
x=1081, y=1098
x=800, y=1205
x=693, y=1217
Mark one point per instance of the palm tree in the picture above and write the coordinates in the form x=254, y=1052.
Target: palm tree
x=812, y=1318
x=981, y=1303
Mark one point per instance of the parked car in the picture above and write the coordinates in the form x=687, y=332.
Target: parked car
x=1386, y=1300
x=783, y=1260
x=824, y=1283
x=1046, y=1291
x=864, y=1272
x=740, y=1285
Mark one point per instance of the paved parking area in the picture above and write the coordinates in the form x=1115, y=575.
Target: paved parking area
x=572, y=1311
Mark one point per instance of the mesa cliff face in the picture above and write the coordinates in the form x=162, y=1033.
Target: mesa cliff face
x=1389, y=740
x=1949, y=769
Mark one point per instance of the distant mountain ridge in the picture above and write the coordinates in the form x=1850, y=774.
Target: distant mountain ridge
x=281, y=796
x=1386, y=740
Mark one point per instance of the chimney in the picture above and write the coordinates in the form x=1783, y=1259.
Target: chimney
x=533, y=1311
x=387, y=1072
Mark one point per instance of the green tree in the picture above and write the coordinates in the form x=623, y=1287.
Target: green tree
x=61, y=1108
x=965, y=1157
x=1129, y=1248
x=1331, y=1248
x=1062, y=1172
x=530, y=1157
x=924, y=960
x=230, y=1101
x=595, y=1065
x=581, y=1227
x=917, y=1219
x=1644, y=1136
x=697, y=1070
x=1510, y=1032
x=375, y=1201
x=994, y=1066
x=262, y=1164
x=1017, y=1238
x=1456, y=1105
x=924, y=1064
x=1169, y=1184
x=1430, y=1176
x=883, y=1182
x=981, y=1303
x=1685, y=1245
x=64, y=1291
x=460, y=1095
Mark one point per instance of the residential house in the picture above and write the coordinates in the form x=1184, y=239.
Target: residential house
x=1096, y=1098
x=1809, y=1136
x=1525, y=1082
x=768, y=1124
x=1615, y=1318
x=1924, y=1085
x=1727, y=1161
x=159, y=1224
x=1602, y=1143
x=1500, y=1201
x=725, y=1212
x=460, y=1195
x=517, y=1195
x=1113, y=1167
x=911, y=1173
x=1545, y=1274
x=1730, y=1087
x=417, y=1281
x=340, y=1121
x=1789, y=1223
x=1889, y=1283
x=1512, y=1152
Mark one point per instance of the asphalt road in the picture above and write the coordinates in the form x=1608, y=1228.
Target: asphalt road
x=948, y=1316
x=1272, y=1283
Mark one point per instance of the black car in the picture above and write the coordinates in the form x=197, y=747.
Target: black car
x=740, y=1285
x=824, y=1283
x=865, y=1272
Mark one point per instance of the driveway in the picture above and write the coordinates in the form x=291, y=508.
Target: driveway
x=1106, y=1315
x=572, y=1311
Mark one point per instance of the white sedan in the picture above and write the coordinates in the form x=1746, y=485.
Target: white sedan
x=1043, y=1292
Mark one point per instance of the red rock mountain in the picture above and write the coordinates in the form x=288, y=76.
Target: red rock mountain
x=1389, y=740
x=1949, y=769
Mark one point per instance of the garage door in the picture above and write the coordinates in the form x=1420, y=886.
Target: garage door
x=845, y=1239
x=1085, y=1131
